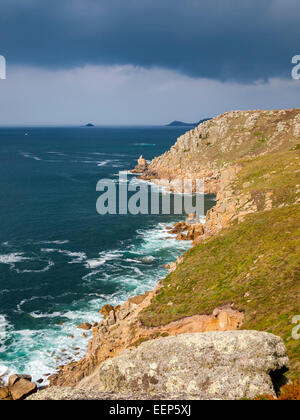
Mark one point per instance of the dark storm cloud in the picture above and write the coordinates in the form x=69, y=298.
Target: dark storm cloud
x=241, y=40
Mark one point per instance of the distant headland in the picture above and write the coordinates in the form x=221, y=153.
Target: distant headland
x=184, y=124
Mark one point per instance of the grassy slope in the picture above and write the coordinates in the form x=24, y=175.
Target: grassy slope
x=254, y=264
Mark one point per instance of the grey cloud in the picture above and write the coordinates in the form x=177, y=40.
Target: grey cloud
x=126, y=95
x=228, y=40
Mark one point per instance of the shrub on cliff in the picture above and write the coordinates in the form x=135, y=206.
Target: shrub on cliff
x=289, y=392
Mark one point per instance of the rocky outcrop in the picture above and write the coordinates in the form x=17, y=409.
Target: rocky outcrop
x=85, y=326
x=141, y=166
x=214, y=151
x=228, y=204
x=214, y=365
x=57, y=393
x=122, y=329
x=18, y=388
x=203, y=152
x=186, y=231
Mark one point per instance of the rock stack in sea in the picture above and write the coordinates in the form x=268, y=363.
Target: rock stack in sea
x=141, y=166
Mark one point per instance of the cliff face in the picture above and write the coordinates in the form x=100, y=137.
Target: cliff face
x=214, y=365
x=244, y=270
x=122, y=329
x=249, y=253
x=209, y=148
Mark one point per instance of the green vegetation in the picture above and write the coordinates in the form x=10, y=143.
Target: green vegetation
x=141, y=340
x=238, y=142
x=254, y=264
x=290, y=392
x=275, y=172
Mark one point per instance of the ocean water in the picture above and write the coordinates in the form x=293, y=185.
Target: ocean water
x=60, y=261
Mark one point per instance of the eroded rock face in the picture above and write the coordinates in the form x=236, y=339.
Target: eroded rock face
x=204, y=151
x=122, y=329
x=213, y=365
x=85, y=326
x=57, y=393
x=19, y=387
x=142, y=165
x=22, y=388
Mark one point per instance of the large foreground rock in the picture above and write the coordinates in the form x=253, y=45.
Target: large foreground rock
x=67, y=393
x=212, y=365
x=19, y=387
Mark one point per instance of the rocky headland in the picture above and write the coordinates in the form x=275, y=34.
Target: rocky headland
x=226, y=308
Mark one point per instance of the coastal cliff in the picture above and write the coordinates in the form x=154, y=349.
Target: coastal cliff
x=243, y=272
x=207, y=150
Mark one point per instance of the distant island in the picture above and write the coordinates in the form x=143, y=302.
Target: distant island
x=89, y=125
x=184, y=124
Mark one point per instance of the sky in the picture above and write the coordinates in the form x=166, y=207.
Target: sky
x=135, y=62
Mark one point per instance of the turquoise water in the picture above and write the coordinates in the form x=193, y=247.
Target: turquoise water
x=60, y=261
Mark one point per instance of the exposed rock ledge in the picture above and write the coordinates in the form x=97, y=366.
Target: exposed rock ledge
x=213, y=365
x=205, y=151
x=122, y=329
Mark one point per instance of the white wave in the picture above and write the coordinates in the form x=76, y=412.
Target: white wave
x=3, y=326
x=3, y=291
x=108, y=154
x=20, y=304
x=115, y=163
x=92, y=274
x=144, y=144
x=137, y=270
x=3, y=371
x=29, y=156
x=42, y=315
x=104, y=257
x=18, y=257
x=148, y=259
x=12, y=258
x=57, y=153
x=104, y=162
x=96, y=262
x=47, y=348
x=77, y=257
x=49, y=250
x=57, y=242
x=50, y=264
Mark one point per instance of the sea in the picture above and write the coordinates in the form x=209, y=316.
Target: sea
x=60, y=260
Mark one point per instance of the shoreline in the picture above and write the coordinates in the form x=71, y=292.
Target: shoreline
x=118, y=321
x=240, y=193
x=184, y=325
x=158, y=230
